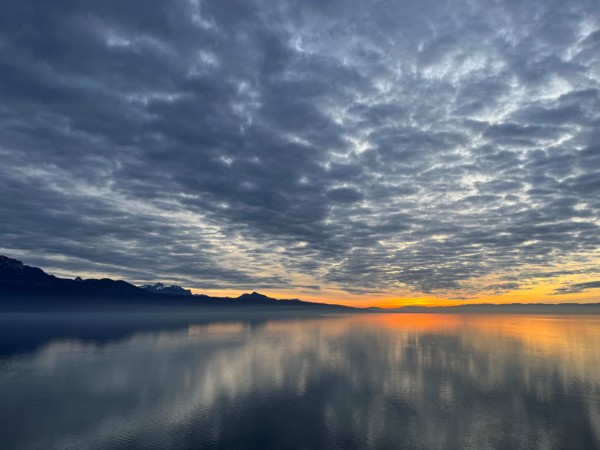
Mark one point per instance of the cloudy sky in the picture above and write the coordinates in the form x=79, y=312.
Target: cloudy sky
x=383, y=152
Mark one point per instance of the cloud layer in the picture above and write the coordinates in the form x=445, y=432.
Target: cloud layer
x=367, y=147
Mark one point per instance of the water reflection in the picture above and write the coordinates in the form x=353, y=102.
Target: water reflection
x=383, y=381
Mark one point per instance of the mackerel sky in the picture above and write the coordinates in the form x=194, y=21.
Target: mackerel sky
x=318, y=149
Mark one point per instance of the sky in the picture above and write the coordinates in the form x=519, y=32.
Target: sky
x=360, y=152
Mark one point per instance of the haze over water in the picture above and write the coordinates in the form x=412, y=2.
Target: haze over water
x=405, y=381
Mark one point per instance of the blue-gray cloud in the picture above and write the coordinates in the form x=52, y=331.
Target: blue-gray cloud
x=363, y=146
x=577, y=287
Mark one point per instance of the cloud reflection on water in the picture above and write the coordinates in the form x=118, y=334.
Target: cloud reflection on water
x=385, y=381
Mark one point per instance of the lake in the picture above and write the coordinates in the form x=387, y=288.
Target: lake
x=376, y=381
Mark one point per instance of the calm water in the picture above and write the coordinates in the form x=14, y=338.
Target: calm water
x=347, y=382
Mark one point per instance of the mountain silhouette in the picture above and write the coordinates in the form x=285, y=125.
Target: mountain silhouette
x=15, y=271
x=254, y=297
x=24, y=287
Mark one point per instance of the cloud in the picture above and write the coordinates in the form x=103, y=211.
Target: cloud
x=366, y=148
x=500, y=288
x=577, y=287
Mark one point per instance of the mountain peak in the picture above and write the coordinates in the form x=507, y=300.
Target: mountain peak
x=160, y=288
x=254, y=296
x=14, y=270
x=9, y=263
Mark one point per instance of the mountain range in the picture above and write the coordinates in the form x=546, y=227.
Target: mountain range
x=24, y=287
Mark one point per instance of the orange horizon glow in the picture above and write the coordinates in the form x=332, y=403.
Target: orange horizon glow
x=533, y=289
x=541, y=295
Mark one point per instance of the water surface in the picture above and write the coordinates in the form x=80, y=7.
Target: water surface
x=402, y=381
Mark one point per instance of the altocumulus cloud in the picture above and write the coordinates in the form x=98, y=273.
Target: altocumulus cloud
x=362, y=146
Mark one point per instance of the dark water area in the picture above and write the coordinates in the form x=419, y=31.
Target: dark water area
x=397, y=381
